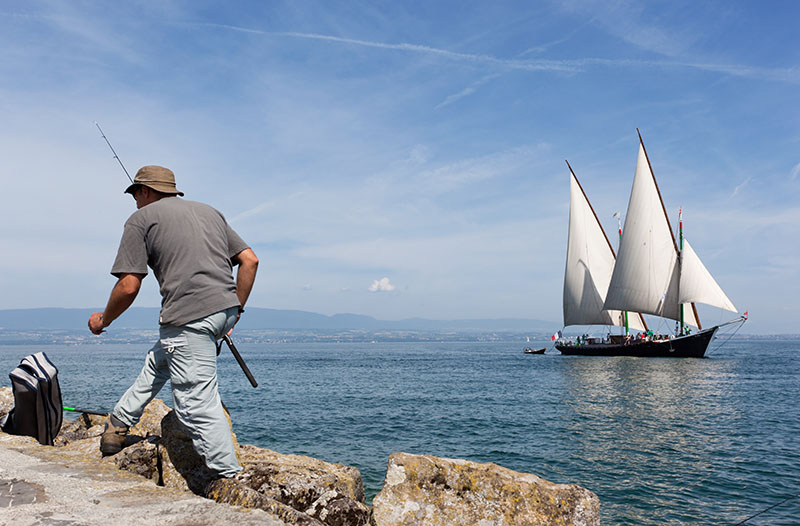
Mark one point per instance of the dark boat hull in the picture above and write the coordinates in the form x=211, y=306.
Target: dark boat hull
x=689, y=346
x=535, y=351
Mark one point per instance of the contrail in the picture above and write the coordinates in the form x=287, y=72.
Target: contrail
x=789, y=75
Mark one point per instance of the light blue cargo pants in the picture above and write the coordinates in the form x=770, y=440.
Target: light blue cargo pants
x=187, y=356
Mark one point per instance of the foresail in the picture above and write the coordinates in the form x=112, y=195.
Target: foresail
x=642, y=280
x=696, y=283
x=590, y=262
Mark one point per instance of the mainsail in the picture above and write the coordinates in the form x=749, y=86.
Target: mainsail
x=590, y=262
x=648, y=276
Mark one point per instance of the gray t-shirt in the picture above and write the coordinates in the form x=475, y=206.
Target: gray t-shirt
x=189, y=246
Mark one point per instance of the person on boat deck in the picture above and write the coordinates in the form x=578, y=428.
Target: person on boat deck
x=192, y=251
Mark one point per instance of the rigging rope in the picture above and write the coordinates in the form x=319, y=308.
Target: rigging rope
x=766, y=510
x=728, y=339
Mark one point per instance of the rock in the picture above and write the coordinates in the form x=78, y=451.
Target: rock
x=142, y=459
x=53, y=487
x=232, y=491
x=331, y=494
x=335, y=509
x=181, y=466
x=85, y=426
x=422, y=489
x=15, y=492
x=83, y=435
x=6, y=401
x=150, y=422
x=297, y=480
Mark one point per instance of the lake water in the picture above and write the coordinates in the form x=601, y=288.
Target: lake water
x=660, y=441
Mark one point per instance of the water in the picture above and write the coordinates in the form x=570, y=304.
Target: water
x=660, y=441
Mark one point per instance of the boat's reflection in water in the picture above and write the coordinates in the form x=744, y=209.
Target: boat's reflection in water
x=650, y=428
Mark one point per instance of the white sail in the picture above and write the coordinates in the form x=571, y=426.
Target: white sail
x=645, y=278
x=671, y=308
x=590, y=262
x=696, y=283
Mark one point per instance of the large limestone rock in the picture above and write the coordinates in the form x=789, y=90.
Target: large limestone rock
x=234, y=492
x=297, y=480
x=6, y=401
x=181, y=466
x=301, y=490
x=422, y=489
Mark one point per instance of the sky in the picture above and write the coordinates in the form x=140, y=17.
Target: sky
x=402, y=159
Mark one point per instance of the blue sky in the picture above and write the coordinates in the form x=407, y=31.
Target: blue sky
x=402, y=159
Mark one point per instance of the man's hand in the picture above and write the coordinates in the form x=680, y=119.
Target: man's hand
x=238, y=317
x=96, y=324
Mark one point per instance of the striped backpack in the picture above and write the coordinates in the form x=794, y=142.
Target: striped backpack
x=37, y=400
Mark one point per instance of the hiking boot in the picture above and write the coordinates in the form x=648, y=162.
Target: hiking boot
x=113, y=439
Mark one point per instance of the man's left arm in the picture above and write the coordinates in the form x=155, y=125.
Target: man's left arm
x=122, y=295
x=245, y=274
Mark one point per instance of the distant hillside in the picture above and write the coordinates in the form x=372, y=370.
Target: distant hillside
x=257, y=318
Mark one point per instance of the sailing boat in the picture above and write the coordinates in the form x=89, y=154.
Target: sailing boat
x=652, y=275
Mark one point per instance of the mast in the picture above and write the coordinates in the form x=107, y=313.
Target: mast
x=619, y=229
x=669, y=226
x=680, y=264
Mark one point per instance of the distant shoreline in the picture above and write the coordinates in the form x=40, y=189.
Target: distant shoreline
x=278, y=336
x=257, y=318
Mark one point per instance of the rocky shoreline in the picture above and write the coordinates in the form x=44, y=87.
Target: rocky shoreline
x=158, y=473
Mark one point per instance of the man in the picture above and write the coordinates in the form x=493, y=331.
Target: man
x=192, y=251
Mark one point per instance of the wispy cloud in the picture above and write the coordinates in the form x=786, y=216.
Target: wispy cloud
x=790, y=75
x=512, y=64
x=473, y=87
x=469, y=90
x=795, y=172
x=93, y=30
x=742, y=185
x=447, y=177
x=253, y=211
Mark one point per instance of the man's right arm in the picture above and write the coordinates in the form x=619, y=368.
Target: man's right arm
x=122, y=295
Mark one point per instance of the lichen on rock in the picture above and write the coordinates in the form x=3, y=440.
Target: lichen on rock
x=422, y=489
x=6, y=401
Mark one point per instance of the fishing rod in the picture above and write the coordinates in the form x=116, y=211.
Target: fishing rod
x=767, y=509
x=235, y=352
x=103, y=135
x=226, y=338
x=85, y=411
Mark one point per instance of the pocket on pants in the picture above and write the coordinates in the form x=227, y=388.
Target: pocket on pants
x=179, y=358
